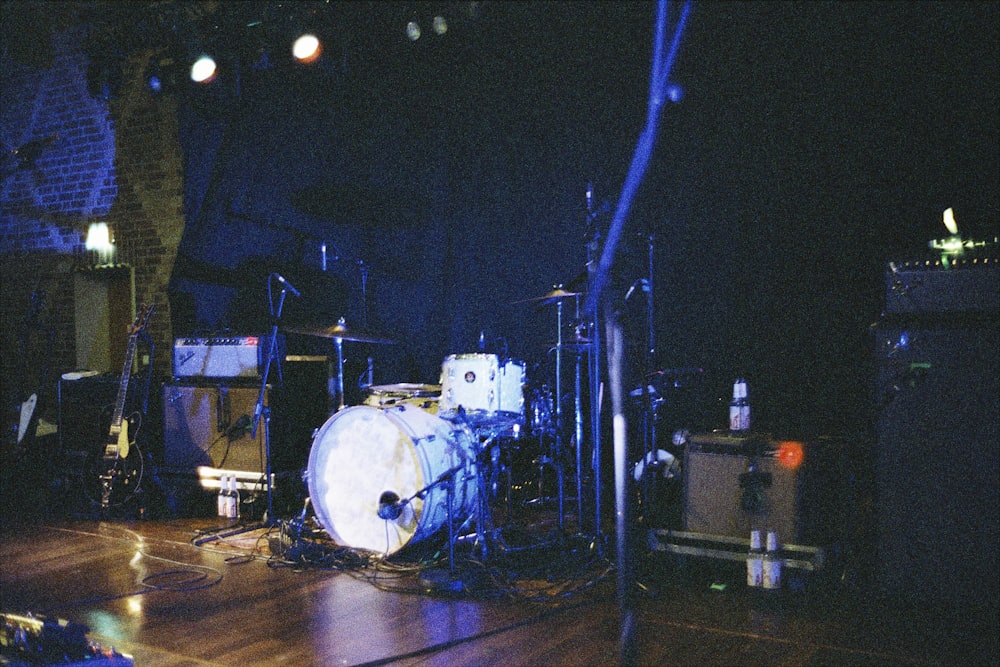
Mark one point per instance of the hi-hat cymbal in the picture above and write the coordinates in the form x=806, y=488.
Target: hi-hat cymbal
x=574, y=343
x=339, y=331
x=557, y=294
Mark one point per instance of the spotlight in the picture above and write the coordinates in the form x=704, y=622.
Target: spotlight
x=440, y=25
x=413, y=31
x=203, y=70
x=307, y=48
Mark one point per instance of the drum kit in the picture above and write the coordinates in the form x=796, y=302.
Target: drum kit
x=414, y=458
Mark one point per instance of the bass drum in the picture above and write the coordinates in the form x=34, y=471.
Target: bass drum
x=364, y=458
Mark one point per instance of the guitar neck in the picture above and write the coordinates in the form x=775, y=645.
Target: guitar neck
x=116, y=418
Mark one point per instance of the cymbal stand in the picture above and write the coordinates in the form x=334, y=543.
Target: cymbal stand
x=650, y=402
x=594, y=366
x=578, y=426
x=338, y=344
x=556, y=454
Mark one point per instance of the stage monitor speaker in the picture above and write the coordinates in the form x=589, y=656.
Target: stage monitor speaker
x=714, y=496
x=209, y=425
x=938, y=393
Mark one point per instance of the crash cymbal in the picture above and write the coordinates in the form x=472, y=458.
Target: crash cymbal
x=557, y=294
x=339, y=331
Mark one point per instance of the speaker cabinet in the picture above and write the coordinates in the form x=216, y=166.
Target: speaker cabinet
x=938, y=398
x=714, y=500
x=85, y=409
x=209, y=425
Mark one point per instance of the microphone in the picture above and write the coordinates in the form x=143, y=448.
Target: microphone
x=389, y=506
x=281, y=279
x=241, y=424
x=641, y=282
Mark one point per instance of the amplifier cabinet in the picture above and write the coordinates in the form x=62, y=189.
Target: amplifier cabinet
x=969, y=286
x=938, y=393
x=714, y=495
x=223, y=357
x=209, y=425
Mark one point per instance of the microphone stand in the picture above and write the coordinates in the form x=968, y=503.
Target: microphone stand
x=261, y=411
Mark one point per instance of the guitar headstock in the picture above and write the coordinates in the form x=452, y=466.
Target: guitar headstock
x=141, y=319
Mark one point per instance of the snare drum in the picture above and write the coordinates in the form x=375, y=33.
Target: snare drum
x=423, y=396
x=486, y=389
x=364, y=455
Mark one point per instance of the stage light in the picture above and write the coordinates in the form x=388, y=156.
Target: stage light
x=307, y=48
x=99, y=241
x=203, y=70
x=440, y=25
x=98, y=236
x=413, y=31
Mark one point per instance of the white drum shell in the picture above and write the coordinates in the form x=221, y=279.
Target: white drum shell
x=363, y=451
x=483, y=386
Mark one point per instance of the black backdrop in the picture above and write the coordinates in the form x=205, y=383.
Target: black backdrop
x=814, y=142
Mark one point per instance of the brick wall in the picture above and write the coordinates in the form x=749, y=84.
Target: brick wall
x=84, y=159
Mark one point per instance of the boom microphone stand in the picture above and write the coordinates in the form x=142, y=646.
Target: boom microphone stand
x=263, y=411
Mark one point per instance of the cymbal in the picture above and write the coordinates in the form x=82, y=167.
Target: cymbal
x=557, y=294
x=574, y=343
x=339, y=331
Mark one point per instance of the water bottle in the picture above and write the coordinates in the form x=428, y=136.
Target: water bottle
x=739, y=409
x=755, y=561
x=771, y=564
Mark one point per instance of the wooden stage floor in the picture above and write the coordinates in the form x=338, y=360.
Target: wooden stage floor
x=145, y=588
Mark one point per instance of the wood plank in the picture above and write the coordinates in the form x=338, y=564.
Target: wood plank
x=145, y=589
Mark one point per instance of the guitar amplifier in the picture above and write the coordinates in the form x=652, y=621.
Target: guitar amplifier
x=223, y=357
x=970, y=285
x=210, y=425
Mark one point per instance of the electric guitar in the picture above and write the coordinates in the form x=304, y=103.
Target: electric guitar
x=119, y=443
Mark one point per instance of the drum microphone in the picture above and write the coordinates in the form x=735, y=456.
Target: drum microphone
x=281, y=279
x=390, y=506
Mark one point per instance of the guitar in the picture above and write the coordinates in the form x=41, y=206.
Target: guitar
x=119, y=443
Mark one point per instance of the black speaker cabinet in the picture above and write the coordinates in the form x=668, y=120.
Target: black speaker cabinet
x=714, y=496
x=936, y=467
x=86, y=404
x=209, y=425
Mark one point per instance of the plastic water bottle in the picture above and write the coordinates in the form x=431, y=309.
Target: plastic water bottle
x=755, y=561
x=234, y=498
x=739, y=409
x=220, y=499
x=772, y=563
